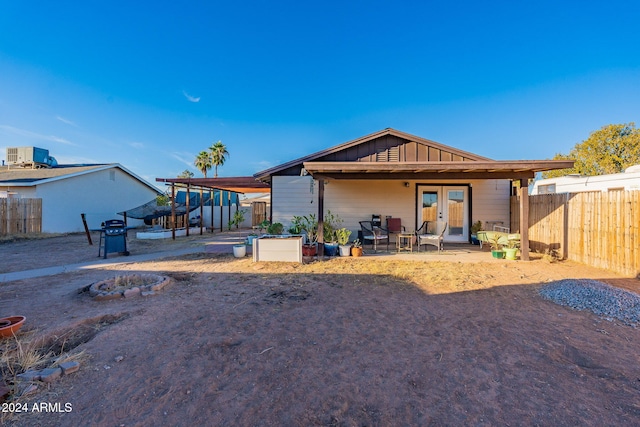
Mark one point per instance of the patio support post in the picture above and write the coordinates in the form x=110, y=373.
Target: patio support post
x=201, y=211
x=187, y=214
x=221, y=211
x=321, y=219
x=524, y=220
x=212, y=199
x=173, y=211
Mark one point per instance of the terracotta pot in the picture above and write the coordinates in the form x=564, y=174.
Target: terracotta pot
x=356, y=251
x=309, y=250
x=15, y=323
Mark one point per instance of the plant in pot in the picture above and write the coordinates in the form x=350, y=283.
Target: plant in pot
x=475, y=227
x=309, y=225
x=496, y=247
x=275, y=228
x=343, y=238
x=511, y=251
x=331, y=224
x=239, y=250
x=296, y=225
x=356, y=249
x=238, y=218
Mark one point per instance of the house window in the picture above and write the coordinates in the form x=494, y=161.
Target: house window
x=112, y=175
x=547, y=189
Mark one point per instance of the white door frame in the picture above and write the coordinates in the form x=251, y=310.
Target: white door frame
x=455, y=232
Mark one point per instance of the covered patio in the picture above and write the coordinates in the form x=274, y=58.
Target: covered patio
x=397, y=171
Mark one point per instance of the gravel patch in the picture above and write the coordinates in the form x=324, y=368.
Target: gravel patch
x=604, y=300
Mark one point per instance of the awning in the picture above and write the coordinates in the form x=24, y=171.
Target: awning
x=238, y=184
x=507, y=169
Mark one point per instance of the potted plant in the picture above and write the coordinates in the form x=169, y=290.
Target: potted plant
x=342, y=235
x=238, y=218
x=331, y=224
x=309, y=226
x=496, y=248
x=275, y=228
x=475, y=227
x=356, y=249
x=239, y=250
x=511, y=250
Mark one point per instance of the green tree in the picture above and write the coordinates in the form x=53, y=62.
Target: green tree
x=203, y=162
x=219, y=154
x=611, y=149
x=186, y=174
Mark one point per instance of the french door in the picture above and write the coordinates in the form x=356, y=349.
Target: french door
x=445, y=203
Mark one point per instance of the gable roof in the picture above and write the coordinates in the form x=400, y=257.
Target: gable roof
x=406, y=156
x=27, y=177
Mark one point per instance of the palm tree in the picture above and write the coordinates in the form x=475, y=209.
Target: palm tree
x=203, y=162
x=219, y=153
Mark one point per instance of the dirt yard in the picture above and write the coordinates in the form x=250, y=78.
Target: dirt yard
x=350, y=342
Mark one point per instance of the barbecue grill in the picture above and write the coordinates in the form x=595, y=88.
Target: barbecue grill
x=113, y=238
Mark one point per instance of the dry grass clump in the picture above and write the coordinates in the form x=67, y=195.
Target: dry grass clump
x=30, y=352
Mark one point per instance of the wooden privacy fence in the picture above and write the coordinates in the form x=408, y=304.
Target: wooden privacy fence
x=19, y=216
x=595, y=228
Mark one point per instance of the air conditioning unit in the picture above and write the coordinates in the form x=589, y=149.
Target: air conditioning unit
x=38, y=157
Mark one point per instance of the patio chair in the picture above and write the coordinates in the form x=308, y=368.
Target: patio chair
x=374, y=234
x=394, y=225
x=431, y=233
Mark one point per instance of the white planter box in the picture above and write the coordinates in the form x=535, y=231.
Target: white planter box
x=278, y=248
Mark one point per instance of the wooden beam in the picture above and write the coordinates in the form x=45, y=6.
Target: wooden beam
x=173, y=212
x=524, y=220
x=187, y=213
x=321, y=219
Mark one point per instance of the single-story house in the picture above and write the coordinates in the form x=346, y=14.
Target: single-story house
x=628, y=180
x=394, y=174
x=67, y=191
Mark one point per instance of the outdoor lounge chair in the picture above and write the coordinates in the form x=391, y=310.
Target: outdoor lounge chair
x=374, y=234
x=431, y=233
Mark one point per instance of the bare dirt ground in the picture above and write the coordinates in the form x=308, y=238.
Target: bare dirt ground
x=368, y=341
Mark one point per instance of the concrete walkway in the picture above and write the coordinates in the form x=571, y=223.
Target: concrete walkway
x=220, y=243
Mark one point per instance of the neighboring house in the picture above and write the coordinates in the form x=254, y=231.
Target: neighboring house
x=626, y=181
x=67, y=191
x=394, y=174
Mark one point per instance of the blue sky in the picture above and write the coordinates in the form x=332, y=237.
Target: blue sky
x=150, y=84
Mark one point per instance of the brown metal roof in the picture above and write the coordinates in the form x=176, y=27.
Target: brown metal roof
x=507, y=169
x=238, y=184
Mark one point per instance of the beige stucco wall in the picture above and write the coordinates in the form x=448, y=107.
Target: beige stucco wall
x=357, y=200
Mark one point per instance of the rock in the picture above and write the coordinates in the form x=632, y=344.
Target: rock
x=69, y=367
x=133, y=292
x=30, y=376
x=119, y=358
x=147, y=293
x=50, y=375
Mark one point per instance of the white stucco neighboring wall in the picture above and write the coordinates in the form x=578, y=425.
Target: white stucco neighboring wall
x=358, y=200
x=99, y=195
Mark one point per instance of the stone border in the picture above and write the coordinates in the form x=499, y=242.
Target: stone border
x=99, y=292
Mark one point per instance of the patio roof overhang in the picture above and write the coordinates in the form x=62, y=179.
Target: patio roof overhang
x=238, y=184
x=507, y=169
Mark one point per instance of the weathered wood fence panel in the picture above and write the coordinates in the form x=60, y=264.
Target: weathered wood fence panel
x=595, y=228
x=19, y=216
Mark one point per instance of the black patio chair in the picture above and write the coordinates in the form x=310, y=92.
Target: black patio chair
x=374, y=234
